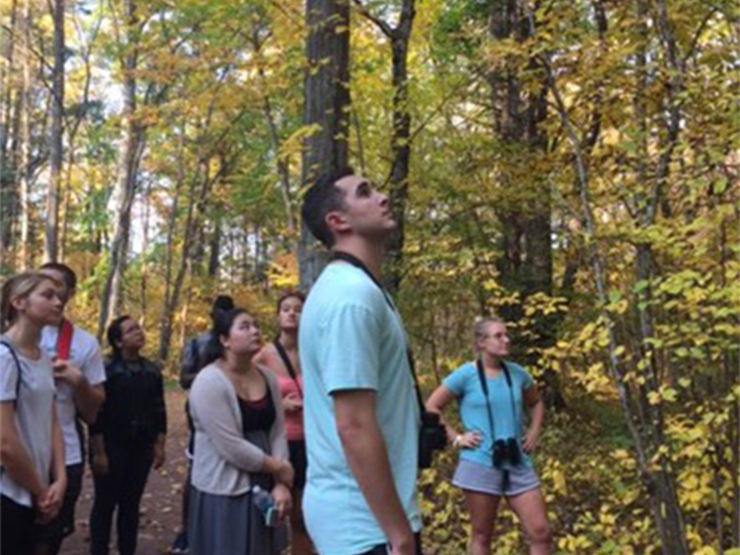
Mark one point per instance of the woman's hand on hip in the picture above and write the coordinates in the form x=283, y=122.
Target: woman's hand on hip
x=468, y=440
x=531, y=438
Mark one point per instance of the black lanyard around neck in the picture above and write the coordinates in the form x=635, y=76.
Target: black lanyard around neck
x=357, y=263
x=287, y=363
x=484, y=386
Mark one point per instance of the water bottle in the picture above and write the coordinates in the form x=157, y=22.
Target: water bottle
x=264, y=502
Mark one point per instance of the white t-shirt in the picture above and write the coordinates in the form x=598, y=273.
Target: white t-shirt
x=84, y=353
x=34, y=404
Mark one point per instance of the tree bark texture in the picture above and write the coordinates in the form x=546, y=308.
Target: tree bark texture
x=132, y=144
x=526, y=260
x=525, y=264
x=326, y=108
x=24, y=169
x=8, y=194
x=51, y=226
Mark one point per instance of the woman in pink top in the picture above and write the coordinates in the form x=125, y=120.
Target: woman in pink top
x=281, y=356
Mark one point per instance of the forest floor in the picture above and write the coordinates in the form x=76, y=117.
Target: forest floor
x=161, y=505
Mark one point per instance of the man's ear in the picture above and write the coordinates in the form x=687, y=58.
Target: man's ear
x=336, y=222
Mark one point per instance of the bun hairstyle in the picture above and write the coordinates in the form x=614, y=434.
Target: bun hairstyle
x=222, y=323
x=18, y=287
x=290, y=295
x=222, y=303
x=480, y=328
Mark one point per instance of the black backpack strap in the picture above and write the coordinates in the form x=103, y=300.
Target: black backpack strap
x=484, y=386
x=288, y=364
x=17, y=365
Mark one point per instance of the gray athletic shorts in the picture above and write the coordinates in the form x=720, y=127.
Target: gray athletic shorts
x=485, y=479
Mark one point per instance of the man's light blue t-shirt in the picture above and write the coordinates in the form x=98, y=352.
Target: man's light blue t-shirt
x=465, y=384
x=350, y=338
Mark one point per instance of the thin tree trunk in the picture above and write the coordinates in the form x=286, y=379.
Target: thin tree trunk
x=646, y=431
x=125, y=188
x=24, y=167
x=66, y=198
x=214, y=257
x=7, y=166
x=171, y=301
x=192, y=223
x=51, y=226
x=281, y=163
x=399, y=37
x=71, y=146
x=326, y=107
x=145, y=256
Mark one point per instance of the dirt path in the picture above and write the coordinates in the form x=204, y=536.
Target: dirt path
x=160, y=508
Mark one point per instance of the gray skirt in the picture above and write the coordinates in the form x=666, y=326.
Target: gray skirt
x=231, y=525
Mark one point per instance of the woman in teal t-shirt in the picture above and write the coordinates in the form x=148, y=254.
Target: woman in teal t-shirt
x=492, y=394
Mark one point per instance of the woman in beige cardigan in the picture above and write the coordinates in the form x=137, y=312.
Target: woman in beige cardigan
x=240, y=447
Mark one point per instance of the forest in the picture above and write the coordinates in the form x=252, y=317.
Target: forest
x=570, y=165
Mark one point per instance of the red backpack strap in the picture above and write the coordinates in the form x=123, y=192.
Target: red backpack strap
x=64, y=339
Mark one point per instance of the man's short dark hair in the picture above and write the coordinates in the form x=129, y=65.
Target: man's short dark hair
x=68, y=274
x=222, y=303
x=324, y=197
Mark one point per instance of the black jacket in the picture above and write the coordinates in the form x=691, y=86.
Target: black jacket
x=134, y=409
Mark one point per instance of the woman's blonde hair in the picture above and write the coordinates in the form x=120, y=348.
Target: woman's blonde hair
x=480, y=328
x=18, y=287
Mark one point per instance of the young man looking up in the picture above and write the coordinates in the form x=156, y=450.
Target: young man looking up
x=360, y=410
x=79, y=391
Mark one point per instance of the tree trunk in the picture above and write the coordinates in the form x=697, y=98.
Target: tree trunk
x=214, y=257
x=644, y=424
x=326, y=107
x=399, y=37
x=24, y=168
x=145, y=256
x=51, y=226
x=169, y=306
x=525, y=264
x=281, y=163
x=125, y=187
x=196, y=200
x=7, y=166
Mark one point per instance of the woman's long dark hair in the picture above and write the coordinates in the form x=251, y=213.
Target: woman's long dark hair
x=221, y=328
x=115, y=334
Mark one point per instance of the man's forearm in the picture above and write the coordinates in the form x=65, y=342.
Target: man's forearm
x=368, y=460
x=89, y=399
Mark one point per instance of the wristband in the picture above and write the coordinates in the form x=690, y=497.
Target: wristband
x=457, y=440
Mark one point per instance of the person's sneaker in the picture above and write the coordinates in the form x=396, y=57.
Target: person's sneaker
x=180, y=545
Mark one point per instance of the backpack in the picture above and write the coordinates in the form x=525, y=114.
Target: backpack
x=17, y=362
